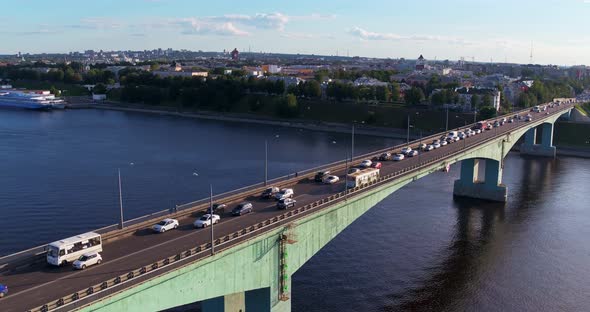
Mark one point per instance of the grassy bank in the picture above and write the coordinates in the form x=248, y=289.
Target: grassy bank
x=66, y=88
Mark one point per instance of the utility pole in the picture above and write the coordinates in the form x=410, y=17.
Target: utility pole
x=120, y=199
x=346, y=180
x=211, y=218
x=352, y=146
x=447, y=122
x=408, y=136
x=265, y=162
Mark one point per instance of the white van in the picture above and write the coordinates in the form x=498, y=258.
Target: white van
x=452, y=134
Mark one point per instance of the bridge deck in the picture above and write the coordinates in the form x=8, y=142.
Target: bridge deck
x=35, y=286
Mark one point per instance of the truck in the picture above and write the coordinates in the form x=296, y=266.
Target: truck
x=362, y=177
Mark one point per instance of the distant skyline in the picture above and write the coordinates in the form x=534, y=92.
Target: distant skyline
x=482, y=30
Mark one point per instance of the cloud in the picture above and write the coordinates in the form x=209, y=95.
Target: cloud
x=298, y=35
x=196, y=26
x=98, y=23
x=259, y=20
x=369, y=35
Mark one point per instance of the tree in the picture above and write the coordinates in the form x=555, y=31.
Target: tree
x=487, y=112
x=54, y=91
x=99, y=89
x=487, y=100
x=382, y=93
x=475, y=101
x=288, y=106
x=414, y=96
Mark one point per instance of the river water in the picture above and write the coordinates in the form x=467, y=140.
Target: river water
x=418, y=250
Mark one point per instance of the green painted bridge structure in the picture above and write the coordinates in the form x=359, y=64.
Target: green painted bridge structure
x=254, y=274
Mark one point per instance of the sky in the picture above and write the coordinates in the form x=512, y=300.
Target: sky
x=480, y=30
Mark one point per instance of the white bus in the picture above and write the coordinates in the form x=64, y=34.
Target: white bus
x=362, y=177
x=70, y=249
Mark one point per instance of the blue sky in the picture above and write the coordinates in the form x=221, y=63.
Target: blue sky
x=483, y=30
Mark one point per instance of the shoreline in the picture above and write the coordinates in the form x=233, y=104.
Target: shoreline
x=570, y=151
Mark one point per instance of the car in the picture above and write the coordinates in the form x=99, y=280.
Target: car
x=365, y=163
x=450, y=140
x=218, y=208
x=406, y=150
x=435, y=142
x=205, y=220
x=320, y=175
x=429, y=147
x=443, y=143
x=284, y=193
x=270, y=192
x=3, y=290
x=353, y=170
x=511, y=120
x=462, y=135
x=87, y=260
x=489, y=127
x=496, y=124
x=515, y=116
x=413, y=153
x=376, y=165
x=528, y=118
x=165, y=225
x=286, y=203
x=331, y=179
x=242, y=208
x=436, y=145
x=385, y=156
x=503, y=119
x=477, y=131
x=398, y=157
x=520, y=117
x=422, y=146
x=547, y=113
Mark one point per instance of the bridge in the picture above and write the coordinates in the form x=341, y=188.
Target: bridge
x=254, y=256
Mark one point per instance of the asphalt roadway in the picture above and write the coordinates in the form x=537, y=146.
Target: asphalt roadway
x=34, y=286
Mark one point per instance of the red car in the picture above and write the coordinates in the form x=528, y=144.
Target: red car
x=376, y=165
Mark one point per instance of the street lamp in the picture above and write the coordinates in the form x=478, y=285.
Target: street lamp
x=120, y=200
x=210, y=214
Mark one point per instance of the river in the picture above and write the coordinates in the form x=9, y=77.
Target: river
x=418, y=250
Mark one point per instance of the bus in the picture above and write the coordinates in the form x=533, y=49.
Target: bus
x=70, y=249
x=362, y=177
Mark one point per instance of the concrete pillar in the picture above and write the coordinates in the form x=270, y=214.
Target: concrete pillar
x=545, y=149
x=228, y=303
x=473, y=185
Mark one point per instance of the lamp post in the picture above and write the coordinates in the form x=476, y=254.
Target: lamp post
x=265, y=162
x=447, y=122
x=120, y=200
x=211, y=218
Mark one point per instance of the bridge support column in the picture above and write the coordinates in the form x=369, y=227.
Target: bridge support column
x=473, y=184
x=257, y=300
x=546, y=147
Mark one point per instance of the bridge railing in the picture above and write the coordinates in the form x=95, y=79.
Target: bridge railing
x=289, y=216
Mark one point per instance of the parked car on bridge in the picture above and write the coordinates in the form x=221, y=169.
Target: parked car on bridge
x=462, y=135
x=3, y=290
x=331, y=179
x=205, y=220
x=87, y=260
x=270, y=192
x=165, y=225
x=406, y=150
x=365, y=163
x=429, y=147
x=422, y=146
x=413, y=153
x=286, y=203
x=218, y=208
x=385, y=156
x=376, y=165
x=353, y=170
x=284, y=193
x=398, y=157
x=443, y=142
x=450, y=140
x=436, y=145
x=242, y=208
x=435, y=142
x=320, y=175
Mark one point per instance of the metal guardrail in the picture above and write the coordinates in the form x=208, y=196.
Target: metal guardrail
x=109, y=284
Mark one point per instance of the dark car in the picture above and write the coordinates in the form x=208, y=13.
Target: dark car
x=385, y=156
x=242, y=209
x=319, y=177
x=218, y=208
x=270, y=192
x=3, y=290
x=286, y=203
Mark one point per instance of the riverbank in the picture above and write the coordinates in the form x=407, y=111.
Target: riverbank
x=247, y=118
x=562, y=149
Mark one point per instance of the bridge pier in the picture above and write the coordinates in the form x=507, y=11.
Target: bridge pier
x=474, y=185
x=257, y=300
x=546, y=148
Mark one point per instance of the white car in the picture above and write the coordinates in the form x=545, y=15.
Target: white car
x=443, y=143
x=422, y=146
x=331, y=179
x=87, y=260
x=406, y=150
x=366, y=163
x=205, y=221
x=477, y=131
x=413, y=153
x=436, y=145
x=284, y=193
x=462, y=135
x=165, y=225
x=398, y=157
x=429, y=147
